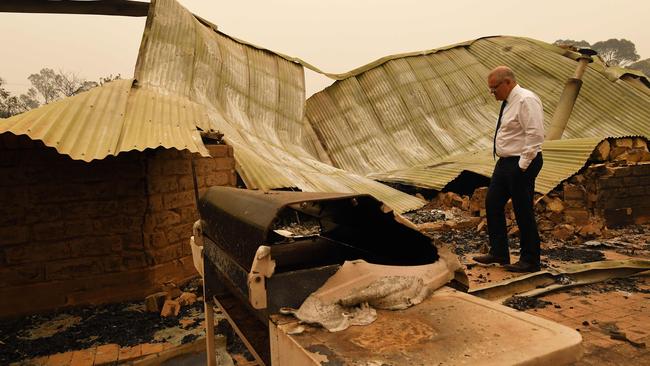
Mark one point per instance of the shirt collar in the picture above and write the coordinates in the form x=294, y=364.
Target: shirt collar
x=513, y=94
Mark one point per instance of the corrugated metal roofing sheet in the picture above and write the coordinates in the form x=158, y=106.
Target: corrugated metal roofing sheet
x=562, y=159
x=423, y=119
x=110, y=119
x=253, y=96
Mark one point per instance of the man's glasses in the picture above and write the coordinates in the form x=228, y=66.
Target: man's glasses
x=493, y=89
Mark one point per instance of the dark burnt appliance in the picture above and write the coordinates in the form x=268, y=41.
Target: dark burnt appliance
x=267, y=250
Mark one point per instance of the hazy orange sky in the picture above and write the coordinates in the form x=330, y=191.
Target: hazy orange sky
x=334, y=35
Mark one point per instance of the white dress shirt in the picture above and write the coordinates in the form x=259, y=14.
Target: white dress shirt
x=522, y=127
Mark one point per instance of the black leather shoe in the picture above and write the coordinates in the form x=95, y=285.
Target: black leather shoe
x=522, y=267
x=489, y=259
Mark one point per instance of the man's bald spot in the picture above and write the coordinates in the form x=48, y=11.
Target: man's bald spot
x=501, y=73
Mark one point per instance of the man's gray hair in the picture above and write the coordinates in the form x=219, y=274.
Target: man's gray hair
x=503, y=72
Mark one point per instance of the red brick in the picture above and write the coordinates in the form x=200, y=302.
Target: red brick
x=203, y=166
x=180, y=232
x=641, y=215
x=221, y=178
x=133, y=206
x=11, y=157
x=132, y=241
x=188, y=214
x=14, y=235
x=89, y=209
x=630, y=181
x=14, y=196
x=177, y=167
x=49, y=231
x=128, y=353
x=37, y=252
x=43, y=213
x=637, y=191
x=167, y=154
x=611, y=182
x=615, y=217
x=162, y=184
x=78, y=228
x=219, y=151
x=21, y=275
x=644, y=181
x=13, y=215
x=112, y=263
x=128, y=188
x=186, y=250
x=73, y=268
x=57, y=193
x=156, y=203
x=134, y=260
x=155, y=166
x=10, y=176
x=107, y=353
x=165, y=219
x=60, y=359
x=155, y=240
x=180, y=199
x=151, y=348
x=579, y=216
x=185, y=183
x=621, y=171
x=95, y=246
x=572, y=192
x=622, y=202
x=168, y=254
x=118, y=225
x=83, y=357
x=641, y=169
x=223, y=163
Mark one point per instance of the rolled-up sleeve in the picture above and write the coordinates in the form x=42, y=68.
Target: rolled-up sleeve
x=531, y=117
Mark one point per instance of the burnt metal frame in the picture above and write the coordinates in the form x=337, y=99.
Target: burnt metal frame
x=96, y=7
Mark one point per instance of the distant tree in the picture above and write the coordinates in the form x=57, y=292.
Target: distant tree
x=617, y=52
x=643, y=66
x=47, y=86
x=570, y=42
x=105, y=79
x=48, y=83
x=52, y=85
x=11, y=105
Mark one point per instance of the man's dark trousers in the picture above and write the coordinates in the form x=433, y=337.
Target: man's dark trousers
x=509, y=181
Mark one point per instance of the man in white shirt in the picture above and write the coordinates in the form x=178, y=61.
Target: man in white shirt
x=518, y=144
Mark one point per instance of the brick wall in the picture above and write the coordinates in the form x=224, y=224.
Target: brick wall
x=75, y=233
x=618, y=193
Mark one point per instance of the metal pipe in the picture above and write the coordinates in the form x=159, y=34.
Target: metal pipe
x=568, y=98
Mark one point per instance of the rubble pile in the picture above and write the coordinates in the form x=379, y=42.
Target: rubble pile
x=612, y=191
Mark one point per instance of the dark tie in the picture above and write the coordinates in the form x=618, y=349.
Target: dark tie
x=494, y=142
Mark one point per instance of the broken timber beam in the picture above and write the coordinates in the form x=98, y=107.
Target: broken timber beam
x=97, y=7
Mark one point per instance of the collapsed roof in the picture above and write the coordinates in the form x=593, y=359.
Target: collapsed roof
x=418, y=119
